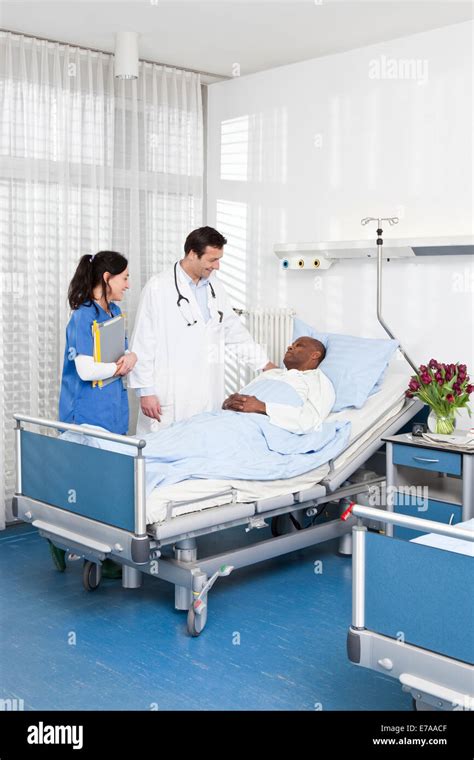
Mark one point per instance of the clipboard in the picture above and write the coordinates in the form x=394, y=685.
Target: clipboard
x=109, y=344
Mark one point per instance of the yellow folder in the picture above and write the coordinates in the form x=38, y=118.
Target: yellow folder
x=109, y=344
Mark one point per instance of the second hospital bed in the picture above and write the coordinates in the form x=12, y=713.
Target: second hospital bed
x=92, y=502
x=413, y=608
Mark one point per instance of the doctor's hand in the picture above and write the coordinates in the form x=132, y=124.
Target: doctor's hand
x=270, y=365
x=126, y=363
x=151, y=407
x=240, y=403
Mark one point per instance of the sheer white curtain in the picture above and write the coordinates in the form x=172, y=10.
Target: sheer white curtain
x=87, y=163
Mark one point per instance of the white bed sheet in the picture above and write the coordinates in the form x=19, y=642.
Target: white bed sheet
x=449, y=544
x=181, y=498
x=384, y=404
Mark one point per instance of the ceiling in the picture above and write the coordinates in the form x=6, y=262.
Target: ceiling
x=215, y=36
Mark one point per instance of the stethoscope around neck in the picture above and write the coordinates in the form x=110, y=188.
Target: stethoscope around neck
x=182, y=298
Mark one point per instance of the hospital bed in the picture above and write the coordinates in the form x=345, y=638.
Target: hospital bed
x=92, y=502
x=413, y=608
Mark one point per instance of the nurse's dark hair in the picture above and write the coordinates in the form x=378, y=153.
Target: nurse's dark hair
x=90, y=273
x=197, y=240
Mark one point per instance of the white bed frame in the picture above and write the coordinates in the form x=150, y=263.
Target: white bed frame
x=141, y=550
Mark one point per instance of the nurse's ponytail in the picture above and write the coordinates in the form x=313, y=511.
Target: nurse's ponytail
x=90, y=273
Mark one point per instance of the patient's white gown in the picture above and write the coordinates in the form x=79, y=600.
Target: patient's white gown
x=314, y=389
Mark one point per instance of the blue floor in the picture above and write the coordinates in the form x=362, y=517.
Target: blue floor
x=132, y=652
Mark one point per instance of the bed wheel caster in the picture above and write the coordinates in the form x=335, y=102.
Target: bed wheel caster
x=344, y=548
x=90, y=576
x=197, y=613
x=194, y=623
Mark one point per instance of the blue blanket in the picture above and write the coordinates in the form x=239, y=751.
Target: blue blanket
x=276, y=391
x=228, y=445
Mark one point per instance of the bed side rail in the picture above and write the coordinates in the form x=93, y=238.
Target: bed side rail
x=139, y=443
x=105, y=486
x=373, y=443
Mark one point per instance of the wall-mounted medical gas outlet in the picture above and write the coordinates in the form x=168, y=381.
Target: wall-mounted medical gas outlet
x=306, y=255
x=304, y=262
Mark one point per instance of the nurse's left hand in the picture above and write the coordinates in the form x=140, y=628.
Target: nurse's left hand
x=126, y=363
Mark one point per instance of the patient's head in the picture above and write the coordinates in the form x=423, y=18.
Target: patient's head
x=305, y=353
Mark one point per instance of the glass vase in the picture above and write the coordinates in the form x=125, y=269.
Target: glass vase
x=441, y=424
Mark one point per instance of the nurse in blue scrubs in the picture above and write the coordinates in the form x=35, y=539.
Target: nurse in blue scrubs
x=98, y=283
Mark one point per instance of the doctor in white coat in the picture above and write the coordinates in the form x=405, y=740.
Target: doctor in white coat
x=183, y=325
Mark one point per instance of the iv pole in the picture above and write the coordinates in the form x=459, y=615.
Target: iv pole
x=391, y=220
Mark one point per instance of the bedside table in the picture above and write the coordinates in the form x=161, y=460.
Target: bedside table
x=429, y=481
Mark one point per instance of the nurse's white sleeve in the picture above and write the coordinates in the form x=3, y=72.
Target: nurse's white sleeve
x=238, y=339
x=89, y=370
x=318, y=399
x=143, y=342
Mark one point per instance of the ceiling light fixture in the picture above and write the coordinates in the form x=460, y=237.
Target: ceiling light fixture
x=126, y=55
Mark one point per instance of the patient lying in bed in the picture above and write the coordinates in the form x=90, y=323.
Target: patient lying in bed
x=281, y=434
x=313, y=393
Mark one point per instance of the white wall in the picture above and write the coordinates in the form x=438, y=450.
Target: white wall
x=311, y=148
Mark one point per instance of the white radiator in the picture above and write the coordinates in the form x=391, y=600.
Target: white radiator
x=273, y=329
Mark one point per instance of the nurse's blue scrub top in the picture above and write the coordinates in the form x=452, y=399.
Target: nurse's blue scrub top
x=79, y=402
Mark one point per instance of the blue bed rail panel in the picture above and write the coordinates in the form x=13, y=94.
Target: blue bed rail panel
x=87, y=481
x=423, y=593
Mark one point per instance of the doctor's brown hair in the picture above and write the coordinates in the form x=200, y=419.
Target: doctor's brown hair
x=197, y=240
x=90, y=273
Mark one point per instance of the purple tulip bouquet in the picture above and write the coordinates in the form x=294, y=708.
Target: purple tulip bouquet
x=445, y=388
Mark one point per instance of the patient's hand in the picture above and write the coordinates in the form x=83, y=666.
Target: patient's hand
x=239, y=403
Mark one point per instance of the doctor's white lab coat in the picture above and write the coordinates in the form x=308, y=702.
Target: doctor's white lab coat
x=185, y=364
